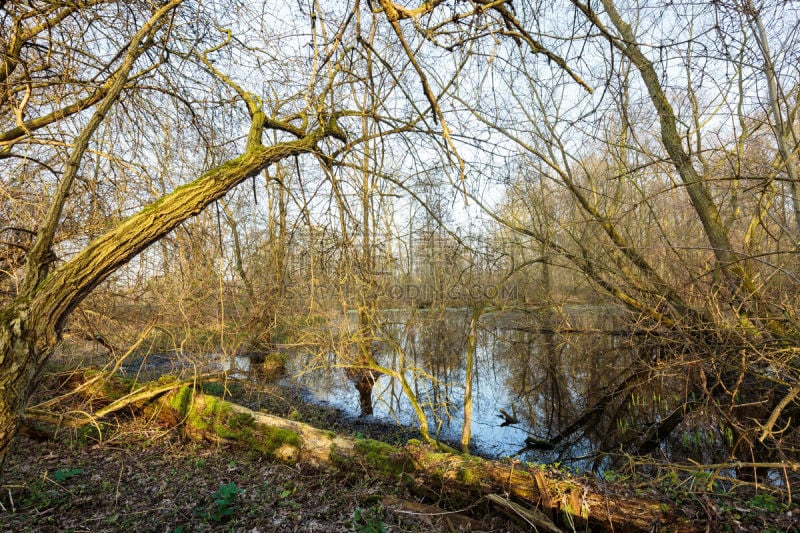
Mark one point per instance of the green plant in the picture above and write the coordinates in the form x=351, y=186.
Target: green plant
x=766, y=502
x=87, y=435
x=213, y=388
x=288, y=491
x=38, y=496
x=224, y=500
x=285, y=498
x=369, y=520
x=63, y=474
x=611, y=475
x=674, y=487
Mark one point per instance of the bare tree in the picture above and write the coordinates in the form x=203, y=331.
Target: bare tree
x=158, y=42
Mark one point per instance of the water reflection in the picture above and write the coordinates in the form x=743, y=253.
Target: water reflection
x=544, y=379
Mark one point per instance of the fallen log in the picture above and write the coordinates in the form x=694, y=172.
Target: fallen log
x=543, y=497
x=112, y=393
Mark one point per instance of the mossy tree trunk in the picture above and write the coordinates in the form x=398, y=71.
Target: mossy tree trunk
x=30, y=325
x=549, y=498
x=552, y=498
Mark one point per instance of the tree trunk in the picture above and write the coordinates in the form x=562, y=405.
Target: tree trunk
x=19, y=364
x=364, y=381
x=472, y=343
x=553, y=497
x=696, y=185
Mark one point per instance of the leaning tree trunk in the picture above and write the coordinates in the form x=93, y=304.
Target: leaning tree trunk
x=741, y=284
x=30, y=325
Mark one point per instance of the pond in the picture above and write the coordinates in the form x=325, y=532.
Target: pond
x=581, y=391
x=543, y=376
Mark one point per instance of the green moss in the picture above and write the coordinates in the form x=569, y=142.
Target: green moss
x=387, y=459
x=110, y=387
x=447, y=449
x=436, y=457
x=270, y=439
x=115, y=387
x=342, y=461
x=198, y=184
x=467, y=476
x=181, y=400
x=238, y=426
x=217, y=417
x=215, y=413
x=242, y=420
x=167, y=378
x=264, y=439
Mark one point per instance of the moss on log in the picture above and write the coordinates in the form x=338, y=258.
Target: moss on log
x=546, y=498
x=552, y=498
x=567, y=500
x=210, y=418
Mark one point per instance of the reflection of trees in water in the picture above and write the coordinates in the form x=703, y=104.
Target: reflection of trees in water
x=574, y=393
x=433, y=344
x=542, y=378
x=560, y=385
x=555, y=378
x=551, y=378
x=592, y=392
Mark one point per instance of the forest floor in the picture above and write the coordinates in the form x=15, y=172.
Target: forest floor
x=142, y=477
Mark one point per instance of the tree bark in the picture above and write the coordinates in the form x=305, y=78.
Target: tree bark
x=472, y=343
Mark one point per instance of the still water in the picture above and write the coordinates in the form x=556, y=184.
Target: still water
x=543, y=371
